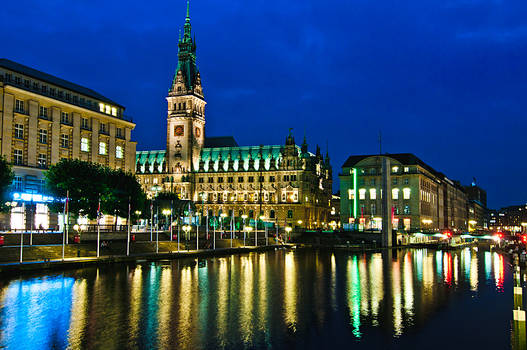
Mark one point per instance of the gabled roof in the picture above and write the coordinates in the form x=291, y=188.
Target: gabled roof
x=20, y=68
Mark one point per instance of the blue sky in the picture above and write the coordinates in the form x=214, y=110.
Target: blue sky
x=444, y=79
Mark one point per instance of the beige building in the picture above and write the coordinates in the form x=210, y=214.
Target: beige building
x=45, y=119
x=421, y=197
x=284, y=184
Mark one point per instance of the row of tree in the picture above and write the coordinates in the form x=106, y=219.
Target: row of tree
x=91, y=186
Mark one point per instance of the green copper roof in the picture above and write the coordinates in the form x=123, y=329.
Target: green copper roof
x=211, y=159
x=150, y=159
x=187, y=55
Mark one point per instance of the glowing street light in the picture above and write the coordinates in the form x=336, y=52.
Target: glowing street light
x=186, y=229
x=288, y=229
x=246, y=229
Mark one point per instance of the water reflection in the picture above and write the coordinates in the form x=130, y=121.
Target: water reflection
x=248, y=301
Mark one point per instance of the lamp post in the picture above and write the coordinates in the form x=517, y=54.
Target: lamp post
x=262, y=218
x=187, y=229
x=197, y=231
x=247, y=229
x=288, y=229
x=244, y=230
x=222, y=216
x=166, y=213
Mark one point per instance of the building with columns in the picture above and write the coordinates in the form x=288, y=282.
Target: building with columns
x=284, y=184
x=45, y=119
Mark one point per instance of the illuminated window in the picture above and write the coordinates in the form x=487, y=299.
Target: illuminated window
x=406, y=224
x=43, y=112
x=17, y=183
x=406, y=193
x=42, y=160
x=18, y=157
x=406, y=169
x=64, y=140
x=395, y=169
x=373, y=193
x=351, y=194
x=119, y=152
x=114, y=111
x=64, y=118
x=102, y=148
x=41, y=216
x=42, y=136
x=362, y=193
x=85, y=144
x=395, y=193
x=85, y=123
x=17, y=218
x=19, y=131
x=107, y=109
x=101, y=107
x=19, y=106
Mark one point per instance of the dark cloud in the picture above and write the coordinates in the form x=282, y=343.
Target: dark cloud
x=442, y=79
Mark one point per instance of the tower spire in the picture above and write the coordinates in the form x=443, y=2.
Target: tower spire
x=188, y=11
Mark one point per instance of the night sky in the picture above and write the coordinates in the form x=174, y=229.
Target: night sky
x=443, y=79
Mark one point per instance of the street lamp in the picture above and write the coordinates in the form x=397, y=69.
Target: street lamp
x=222, y=217
x=288, y=229
x=247, y=229
x=187, y=229
x=262, y=218
x=244, y=230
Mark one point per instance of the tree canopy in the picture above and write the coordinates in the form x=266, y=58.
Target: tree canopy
x=88, y=183
x=6, y=179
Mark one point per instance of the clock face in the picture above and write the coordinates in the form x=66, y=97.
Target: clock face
x=198, y=132
x=179, y=130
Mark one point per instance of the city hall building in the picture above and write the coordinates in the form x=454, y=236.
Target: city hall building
x=45, y=119
x=283, y=184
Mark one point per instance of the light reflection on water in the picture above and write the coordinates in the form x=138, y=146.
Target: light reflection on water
x=303, y=299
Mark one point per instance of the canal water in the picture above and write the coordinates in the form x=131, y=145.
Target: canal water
x=283, y=299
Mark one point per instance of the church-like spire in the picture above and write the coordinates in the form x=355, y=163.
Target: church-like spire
x=186, y=56
x=304, y=146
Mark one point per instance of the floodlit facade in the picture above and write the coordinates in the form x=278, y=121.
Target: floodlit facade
x=45, y=119
x=422, y=198
x=282, y=184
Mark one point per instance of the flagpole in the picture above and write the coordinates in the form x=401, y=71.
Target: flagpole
x=170, y=229
x=128, y=222
x=98, y=227
x=64, y=228
x=197, y=231
x=232, y=227
x=214, y=233
x=157, y=229
x=67, y=213
x=151, y=221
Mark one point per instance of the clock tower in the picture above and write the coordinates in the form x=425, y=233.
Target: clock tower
x=186, y=110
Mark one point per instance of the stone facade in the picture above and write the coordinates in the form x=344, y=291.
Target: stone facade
x=45, y=119
x=284, y=184
x=422, y=198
